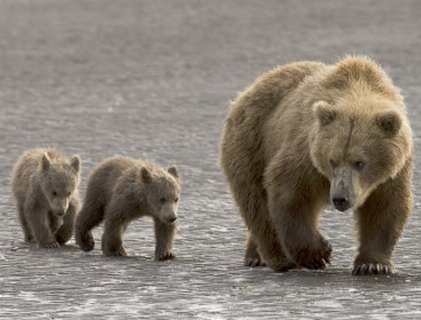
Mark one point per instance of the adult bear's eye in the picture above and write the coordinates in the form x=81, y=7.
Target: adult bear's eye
x=332, y=163
x=54, y=193
x=359, y=165
x=162, y=200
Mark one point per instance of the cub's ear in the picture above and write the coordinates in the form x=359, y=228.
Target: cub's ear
x=390, y=122
x=45, y=162
x=173, y=171
x=146, y=175
x=324, y=112
x=75, y=163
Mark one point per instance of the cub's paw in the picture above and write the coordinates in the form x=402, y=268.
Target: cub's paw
x=61, y=239
x=368, y=268
x=49, y=245
x=315, y=256
x=120, y=252
x=252, y=258
x=30, y=240
x=86, y=242
x=165, y=256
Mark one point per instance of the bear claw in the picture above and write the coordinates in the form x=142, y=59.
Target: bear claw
x=315, y=258
x=116, y=253
x=49, y=245
x=165, y=256
x=372, y=269
x=253, y=262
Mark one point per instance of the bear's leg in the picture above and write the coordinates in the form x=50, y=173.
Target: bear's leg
x=164, y=237
x=64, y=233
x=55, y=222
x=296, y=222
x=250, y=197
x=89, y=217
x=294, y=207
x=381, y=220
x=295, y=218
x=39, y=222
x=112, y=239
x=24, y=223
x=258, y=223
x=252, y=257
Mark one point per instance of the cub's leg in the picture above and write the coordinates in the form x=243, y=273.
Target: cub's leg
x=252, y=257
x=116, y=219
x=164, y=236
x=381, y=221
x=91, y=215
x=39, y=221
x=28, y=236
x=112, y=239
x=64, y=233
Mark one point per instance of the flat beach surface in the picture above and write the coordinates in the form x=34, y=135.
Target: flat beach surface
x=153, y=80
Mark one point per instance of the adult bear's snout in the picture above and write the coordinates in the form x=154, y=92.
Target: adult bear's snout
x=341, y=202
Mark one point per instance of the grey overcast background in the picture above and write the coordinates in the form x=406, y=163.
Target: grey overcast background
x=153, y=80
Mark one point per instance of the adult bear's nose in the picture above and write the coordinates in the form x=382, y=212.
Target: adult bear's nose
x=341, y=202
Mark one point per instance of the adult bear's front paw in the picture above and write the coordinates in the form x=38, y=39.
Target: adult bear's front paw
x=367, y=266
x=120, y=252
x=164, y=256
x=86, y=241
x=313, y=256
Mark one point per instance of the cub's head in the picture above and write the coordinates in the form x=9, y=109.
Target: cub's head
x=358, y=144
x=162, y=192
x=59, y=180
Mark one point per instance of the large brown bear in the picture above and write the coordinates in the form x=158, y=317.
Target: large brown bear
x=305, y=135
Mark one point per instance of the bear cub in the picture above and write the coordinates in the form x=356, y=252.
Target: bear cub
x=44, y=183
x=122, y=189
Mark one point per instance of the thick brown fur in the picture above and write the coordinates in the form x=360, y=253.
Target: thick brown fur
x=122, y=189
x=305, y=133
x=44, y=183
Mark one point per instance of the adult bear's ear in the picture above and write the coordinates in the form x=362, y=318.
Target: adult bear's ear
x=45, y=162
x=173, y=171
x=324, y=112
x=390, y=122
x=146, y=175
x=75, y=163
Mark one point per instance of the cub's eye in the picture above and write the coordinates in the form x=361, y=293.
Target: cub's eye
x=68, y=194
x=162, y=200
x=176, y=200
x=54, y=193
x=332, y=163
x=359, y=165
